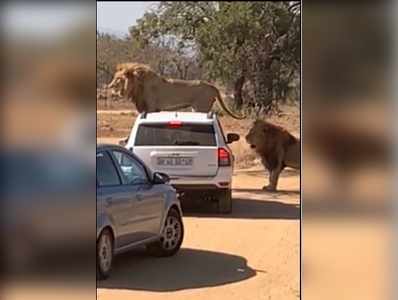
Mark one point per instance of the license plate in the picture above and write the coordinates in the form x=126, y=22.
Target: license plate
x=175, y=161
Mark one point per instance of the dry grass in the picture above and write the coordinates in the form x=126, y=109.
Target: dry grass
x=115, y=125
x=110, y=105
x=118, y=124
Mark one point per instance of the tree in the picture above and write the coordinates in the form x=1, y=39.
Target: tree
x=233, y=41
x=111, y=50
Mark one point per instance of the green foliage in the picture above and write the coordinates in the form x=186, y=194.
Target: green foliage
x=256, y=41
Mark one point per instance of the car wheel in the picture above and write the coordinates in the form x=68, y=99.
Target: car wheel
x=171, y=237
x=225, y=202
x=104, y=254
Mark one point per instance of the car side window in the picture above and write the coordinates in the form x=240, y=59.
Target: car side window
x=133, y=171
x=106, y=172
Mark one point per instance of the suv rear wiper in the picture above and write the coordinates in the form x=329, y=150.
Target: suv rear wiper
x=190, y=143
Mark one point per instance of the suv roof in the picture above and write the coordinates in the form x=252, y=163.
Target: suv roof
x=166, y=116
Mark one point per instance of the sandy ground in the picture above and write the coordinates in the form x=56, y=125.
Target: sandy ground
x=252, y=253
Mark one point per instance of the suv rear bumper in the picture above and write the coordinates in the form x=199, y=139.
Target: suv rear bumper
x=203, y=197
x=201, y=187
x=222, y=180
x=200, y=184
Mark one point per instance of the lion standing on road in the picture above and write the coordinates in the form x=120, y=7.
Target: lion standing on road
x=276, y=146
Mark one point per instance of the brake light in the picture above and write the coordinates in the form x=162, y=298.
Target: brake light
x=224, y=158
x=174, y=124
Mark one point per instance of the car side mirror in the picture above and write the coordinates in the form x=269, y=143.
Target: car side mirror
x=123, y=142
x=232, y=137
x=160, y=178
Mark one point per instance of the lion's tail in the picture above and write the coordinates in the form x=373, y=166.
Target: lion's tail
x=225, y=107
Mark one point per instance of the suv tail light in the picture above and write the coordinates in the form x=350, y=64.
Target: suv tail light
x=224, y=158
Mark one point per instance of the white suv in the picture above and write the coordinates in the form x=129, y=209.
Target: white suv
x=191, y=148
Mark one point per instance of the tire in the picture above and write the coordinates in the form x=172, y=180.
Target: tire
x=171, y=238
x=104, y=254
x=225, y=202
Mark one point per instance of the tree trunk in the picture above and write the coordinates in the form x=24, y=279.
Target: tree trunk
x=263, y=85
x=238, y=92
x=186, y=67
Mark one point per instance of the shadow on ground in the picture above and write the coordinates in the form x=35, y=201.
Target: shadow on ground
x=188, y=269
x=269, y=194
x=264, y=173
x=245, y=207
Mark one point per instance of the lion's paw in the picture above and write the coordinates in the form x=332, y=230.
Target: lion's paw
x=269, y=188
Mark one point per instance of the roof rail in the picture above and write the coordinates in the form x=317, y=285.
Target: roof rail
x=210, y=114
x=143, y=115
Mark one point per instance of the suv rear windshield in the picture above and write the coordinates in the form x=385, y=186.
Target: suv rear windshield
x=181, y=135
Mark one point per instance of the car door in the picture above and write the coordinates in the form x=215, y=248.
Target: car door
x=114, y=202
x=149, y=199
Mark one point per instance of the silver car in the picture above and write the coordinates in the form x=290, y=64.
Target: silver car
x=134, y=207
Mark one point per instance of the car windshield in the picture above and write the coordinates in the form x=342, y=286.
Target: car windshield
x=182, y=135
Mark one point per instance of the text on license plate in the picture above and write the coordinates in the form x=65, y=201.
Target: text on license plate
x=175, y=161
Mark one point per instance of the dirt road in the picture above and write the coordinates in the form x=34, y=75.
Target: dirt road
x=250, y=254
